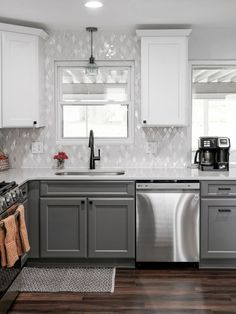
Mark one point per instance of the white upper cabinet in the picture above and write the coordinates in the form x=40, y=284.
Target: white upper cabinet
x=22, y=77
x=164, y=72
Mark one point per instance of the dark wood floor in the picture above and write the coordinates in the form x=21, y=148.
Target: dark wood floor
x=145, y=291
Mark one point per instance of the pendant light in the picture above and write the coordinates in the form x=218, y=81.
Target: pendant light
x=91, y=68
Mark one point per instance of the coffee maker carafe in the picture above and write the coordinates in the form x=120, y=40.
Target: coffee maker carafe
x=213, y=153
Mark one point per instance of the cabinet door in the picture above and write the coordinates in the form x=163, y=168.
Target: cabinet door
x=164, y=81
x=63, y=227
x=218, y=232
x=111, y=228
x=19, y=79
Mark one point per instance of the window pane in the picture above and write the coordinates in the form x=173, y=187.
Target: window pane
x=74, y=121
x=108, y=121
x=197, y=121
x=222, y=115
x=111, y=84
x=214, y=103
x=106, y=74
x=214, y=118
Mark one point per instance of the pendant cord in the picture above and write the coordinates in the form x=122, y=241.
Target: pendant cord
x=91, y=43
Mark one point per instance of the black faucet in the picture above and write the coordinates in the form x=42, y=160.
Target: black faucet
x=92, y=157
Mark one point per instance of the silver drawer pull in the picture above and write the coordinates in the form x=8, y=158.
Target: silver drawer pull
x=224, y=189
x=224, y=210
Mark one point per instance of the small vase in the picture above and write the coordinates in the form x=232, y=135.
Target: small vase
x=60, y=164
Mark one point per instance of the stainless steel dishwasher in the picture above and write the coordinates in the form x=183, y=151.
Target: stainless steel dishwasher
x=167, y=221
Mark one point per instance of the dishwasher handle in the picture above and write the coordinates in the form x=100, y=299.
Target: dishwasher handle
x=168, y=186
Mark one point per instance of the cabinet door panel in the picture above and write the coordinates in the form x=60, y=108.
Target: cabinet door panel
x=63, y=227
x=218, y=232
x=19, y=79
x=164, y=81
x=111, y=227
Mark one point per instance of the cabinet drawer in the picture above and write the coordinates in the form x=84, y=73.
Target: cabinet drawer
x=74, y=188
x=218, y=188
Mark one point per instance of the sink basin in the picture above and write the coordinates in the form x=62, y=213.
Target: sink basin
x=90, y=173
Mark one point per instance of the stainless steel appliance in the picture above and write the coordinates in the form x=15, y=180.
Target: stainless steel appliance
x=213, y=153
x=167, y=222
x=10, y=194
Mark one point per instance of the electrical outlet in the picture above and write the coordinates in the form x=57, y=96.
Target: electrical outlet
x=154, y=148
x=148, y=148
x=37, y=148
x=151, y=148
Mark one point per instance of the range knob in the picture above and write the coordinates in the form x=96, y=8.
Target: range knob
x=2, y=204
x=14, y=195
x=8, y=199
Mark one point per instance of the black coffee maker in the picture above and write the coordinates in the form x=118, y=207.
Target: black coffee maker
x=213, y=153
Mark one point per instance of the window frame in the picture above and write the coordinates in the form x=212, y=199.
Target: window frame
x=192, y=64
x=59, y=110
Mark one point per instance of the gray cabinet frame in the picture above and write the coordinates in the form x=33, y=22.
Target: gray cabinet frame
x=112, y=196
x=87, y=188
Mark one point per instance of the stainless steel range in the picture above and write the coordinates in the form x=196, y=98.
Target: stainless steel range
x=10, y=194
x=167, y=222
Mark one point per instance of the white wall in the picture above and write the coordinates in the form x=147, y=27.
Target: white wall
x=212, y=43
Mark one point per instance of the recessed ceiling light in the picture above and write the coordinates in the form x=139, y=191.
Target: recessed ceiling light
x=93, y=4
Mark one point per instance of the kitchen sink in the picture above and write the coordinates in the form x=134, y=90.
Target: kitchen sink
x=90, y=173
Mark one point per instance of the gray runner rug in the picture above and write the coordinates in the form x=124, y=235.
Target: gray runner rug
x=67, y=279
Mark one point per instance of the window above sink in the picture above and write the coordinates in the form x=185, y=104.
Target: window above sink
x=103, y=103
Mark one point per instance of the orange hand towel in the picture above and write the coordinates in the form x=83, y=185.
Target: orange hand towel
x=10, y=240
x=23, y=230
x=18, y=239
x=2, y=248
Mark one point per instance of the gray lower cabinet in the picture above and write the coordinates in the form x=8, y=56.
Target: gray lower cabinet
x=111, y=228
x=64, y=232
x=218, y=228
x=63, y=227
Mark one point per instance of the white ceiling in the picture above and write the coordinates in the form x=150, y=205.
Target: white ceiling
x=71, y=14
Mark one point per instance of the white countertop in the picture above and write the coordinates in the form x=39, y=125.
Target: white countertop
x=25, y=174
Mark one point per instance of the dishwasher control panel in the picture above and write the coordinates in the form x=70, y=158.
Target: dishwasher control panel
x=168, y=185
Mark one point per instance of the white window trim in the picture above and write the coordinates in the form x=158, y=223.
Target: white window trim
x=58, y=109
x=194, y=63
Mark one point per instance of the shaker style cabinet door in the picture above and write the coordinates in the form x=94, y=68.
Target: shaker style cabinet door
x=19, y=79
x=218, y=232
x=111, y=228
x=164, y=73
x=63, y=231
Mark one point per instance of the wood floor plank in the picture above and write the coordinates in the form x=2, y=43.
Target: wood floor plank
x=178, y=291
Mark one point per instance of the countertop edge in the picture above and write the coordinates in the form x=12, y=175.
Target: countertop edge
x=24, y=175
